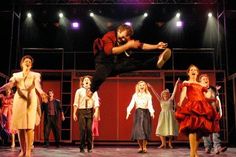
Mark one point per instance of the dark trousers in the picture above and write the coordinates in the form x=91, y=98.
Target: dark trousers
x=85, y=127
x=51, y=123
x=104, y=70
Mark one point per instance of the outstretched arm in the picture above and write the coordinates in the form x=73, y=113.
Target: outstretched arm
x=7, y=86
x=175, y=89
x=160, y=45
x=182, y=96
x=154, y=92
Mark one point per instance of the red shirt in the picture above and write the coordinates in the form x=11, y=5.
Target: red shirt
x=109, y=41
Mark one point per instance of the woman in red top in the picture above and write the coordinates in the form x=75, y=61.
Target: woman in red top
x=195, y=116
x=7, y=101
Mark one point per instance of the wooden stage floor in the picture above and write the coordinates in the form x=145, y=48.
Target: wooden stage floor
x=113, y=151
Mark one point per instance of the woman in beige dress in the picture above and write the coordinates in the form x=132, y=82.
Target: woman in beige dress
x=25, y=102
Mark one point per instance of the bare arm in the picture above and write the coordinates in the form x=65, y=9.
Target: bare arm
x=6, y=86
x=175, y=89
x=160, y=45
x=182, y=96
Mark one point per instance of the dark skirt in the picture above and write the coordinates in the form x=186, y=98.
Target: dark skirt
x=142, y=125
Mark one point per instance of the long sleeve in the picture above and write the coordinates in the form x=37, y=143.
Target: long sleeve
x=96, y=100
x=76, y=98
x=37, y=82
x=150, y=106
x=131, y=104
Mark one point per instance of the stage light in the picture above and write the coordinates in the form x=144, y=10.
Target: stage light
x=128, y=23
x=91, y=14
x=178, y=15
x=209, y=14
x=60, y=15
x=145, y=14
x=179, y=24
x=75, y=25
x=29, y=15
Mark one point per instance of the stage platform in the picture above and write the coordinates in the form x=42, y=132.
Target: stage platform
x=112, y=151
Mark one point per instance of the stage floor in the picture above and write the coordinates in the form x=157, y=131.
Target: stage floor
x=105, y=151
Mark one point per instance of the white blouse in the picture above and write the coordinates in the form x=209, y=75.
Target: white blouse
x=141, y=100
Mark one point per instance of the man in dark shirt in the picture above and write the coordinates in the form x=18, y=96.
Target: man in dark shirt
x=52, y=109
x=113, y=45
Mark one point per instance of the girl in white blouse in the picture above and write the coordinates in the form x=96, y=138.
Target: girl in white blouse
x=142, y=100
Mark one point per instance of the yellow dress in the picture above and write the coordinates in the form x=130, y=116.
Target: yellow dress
x=25, y=99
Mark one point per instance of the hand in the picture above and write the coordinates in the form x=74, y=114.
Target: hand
x=162, y=45
x=127, y=116
x=218, y=87
x=44, y=97
x=63, y=118
x=178, y=81
x=178, y=104
x=75, y=117
x=152, y=115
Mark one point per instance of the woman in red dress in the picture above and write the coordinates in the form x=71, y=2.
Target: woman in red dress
x=7, y=101
x=195, y=115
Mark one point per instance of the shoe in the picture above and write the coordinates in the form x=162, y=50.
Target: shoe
x=217, y=151
x=223, y=149
x=170, y=146
x=81, y=150
x=90, y=151
x=46, y=145
x=208, y=150
x=162, y=147
x=140, y=150
x=13, y=146
x=144, y=150
x=164, y=56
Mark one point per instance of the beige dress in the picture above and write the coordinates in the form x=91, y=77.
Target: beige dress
x=25, y=99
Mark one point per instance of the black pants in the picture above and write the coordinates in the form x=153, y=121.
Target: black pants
x=51, y=123
x=104, y=70
x=85, y=127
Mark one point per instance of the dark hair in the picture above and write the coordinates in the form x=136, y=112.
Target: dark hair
x=128, y=28
x=26, y=57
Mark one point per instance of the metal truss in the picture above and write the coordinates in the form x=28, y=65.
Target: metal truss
x=120, y=1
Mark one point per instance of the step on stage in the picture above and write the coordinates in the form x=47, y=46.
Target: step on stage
x=105, y=151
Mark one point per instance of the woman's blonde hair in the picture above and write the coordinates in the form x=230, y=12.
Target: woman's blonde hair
x=145, y=90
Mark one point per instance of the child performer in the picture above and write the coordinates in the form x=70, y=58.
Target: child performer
x=214, y=100
x=95, y=131
x=7, y=101
x=85, y=106
x=142, y=100
x=167, y=124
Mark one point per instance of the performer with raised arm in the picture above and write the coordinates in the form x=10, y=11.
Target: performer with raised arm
x=25, y=102
x=167, y=125
x=195, y=115
x=117, y=43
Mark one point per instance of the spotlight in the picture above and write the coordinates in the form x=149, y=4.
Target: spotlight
x=91, y=14
x=29, y=15
x=179, y=24
x=178, y=15
x=60, y=15
x=128, y=23
x=209, y=14
x=75, y=25
x=145, y=14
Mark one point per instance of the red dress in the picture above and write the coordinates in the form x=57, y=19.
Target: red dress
x=196, y=115
x=7, y=111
